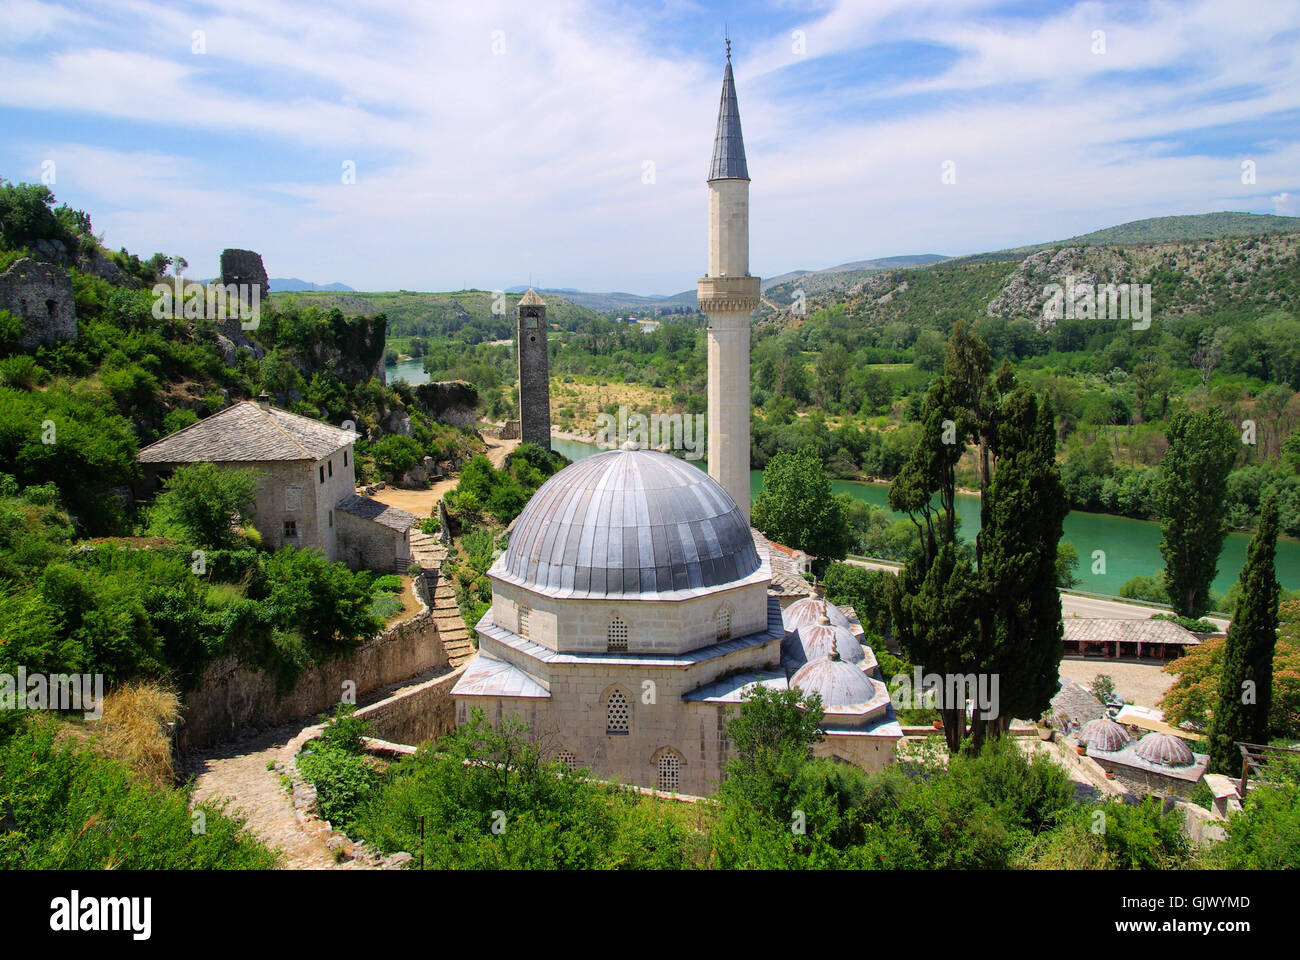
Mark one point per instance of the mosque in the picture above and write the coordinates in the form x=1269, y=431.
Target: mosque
x=635, y=605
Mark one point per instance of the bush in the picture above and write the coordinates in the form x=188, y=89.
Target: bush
x=201, y=503
x=67, y=808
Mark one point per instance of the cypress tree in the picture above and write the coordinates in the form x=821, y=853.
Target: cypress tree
x=1193, y=502
x=1246, y=686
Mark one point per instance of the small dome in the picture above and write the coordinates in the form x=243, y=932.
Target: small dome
x=1104, y=734
x=841, y=685
x=627, y=523
x=815, y=641
x=1164, y=749
x=809, y=611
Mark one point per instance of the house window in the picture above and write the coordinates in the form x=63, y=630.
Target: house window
x=525, y=615
x=617, y=635
x=331, y=518
x=290, y=529
x=618, y=716
x=345, y=458
x=567, y=759
x=322, y=474
x=330, y=466
x=670, y=768
x=722, y=624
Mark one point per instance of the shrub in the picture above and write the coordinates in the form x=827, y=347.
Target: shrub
x=68, y=808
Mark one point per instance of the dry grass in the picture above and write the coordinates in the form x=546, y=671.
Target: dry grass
x=134, y=729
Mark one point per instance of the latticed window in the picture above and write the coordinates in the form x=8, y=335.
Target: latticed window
x=567, y=758
x=722, y=624
x=670, y=767
x=618, y=715
x=525, y=615
x=617, y=634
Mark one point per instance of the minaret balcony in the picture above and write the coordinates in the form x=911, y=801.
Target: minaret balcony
x=728, y=294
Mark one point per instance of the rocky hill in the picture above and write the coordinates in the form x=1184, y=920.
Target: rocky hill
x=1257, y=273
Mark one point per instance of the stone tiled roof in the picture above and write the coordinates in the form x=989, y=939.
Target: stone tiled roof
x=1076, y=703
x=1108, y=631
x=786, y=580
x=531, y=299
x=369, y=509
x=246, y=433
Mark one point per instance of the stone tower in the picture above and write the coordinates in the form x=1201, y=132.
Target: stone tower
x=728, y=295
x=534, y=372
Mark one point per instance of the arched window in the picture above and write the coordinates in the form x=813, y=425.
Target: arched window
x=567, y=759
x=722, y=624
x=670, y=768
x=618, y=715
x=617, y=635
x=525, y=614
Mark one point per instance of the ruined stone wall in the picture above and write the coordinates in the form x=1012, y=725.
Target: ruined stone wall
x=41, y=294
x=233, y=698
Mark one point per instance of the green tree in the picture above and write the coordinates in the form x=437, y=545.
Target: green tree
x=1019, y=543
x=1193, y=502
x=1246, y=685
x=796, y=507
x=204, y=501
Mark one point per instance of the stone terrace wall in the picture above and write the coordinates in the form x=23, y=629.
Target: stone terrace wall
x=411, y=716
x=232, y=698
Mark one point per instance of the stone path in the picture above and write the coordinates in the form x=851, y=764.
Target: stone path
x=238, y=771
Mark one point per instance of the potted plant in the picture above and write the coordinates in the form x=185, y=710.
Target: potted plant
x=1082, y=749
x=1045, y=731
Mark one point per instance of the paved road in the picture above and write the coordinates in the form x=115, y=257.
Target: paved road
x=1073, y=605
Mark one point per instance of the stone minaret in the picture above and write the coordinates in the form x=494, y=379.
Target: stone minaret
x=727, y=296
x=534, y=372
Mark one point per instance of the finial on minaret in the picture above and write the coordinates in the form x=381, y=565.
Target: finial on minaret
x=728, y=49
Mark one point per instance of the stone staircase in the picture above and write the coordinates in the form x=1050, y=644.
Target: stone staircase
x=451, y=628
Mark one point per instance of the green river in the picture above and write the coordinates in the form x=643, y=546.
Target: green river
x=1131, y=547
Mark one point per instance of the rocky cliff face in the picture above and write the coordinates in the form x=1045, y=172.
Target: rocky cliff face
x=449, y=401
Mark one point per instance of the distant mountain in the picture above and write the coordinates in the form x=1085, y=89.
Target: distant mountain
x=1177, y=229
x=293, y=283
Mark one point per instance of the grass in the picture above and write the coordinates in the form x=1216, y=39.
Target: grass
x=134, y=729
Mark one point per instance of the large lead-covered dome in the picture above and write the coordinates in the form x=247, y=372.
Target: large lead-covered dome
x=628, y=522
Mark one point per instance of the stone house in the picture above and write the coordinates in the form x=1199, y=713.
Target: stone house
x=306, y=490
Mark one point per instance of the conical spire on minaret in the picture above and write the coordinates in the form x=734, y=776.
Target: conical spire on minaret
x=728, y=143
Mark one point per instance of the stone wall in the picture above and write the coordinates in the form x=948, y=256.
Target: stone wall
x=41, y=294
x=369, y=545
x=423, y=712
x=233, y=698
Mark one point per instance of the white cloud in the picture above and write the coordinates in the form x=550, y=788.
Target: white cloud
x=479, y=168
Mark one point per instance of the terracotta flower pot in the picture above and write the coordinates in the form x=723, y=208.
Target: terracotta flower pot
x=1083, y=751
x=1110, y=774
x=938, y=724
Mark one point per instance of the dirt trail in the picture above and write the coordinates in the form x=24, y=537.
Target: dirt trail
x=423, y=503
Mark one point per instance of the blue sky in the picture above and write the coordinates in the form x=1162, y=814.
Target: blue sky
x=496, y=141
